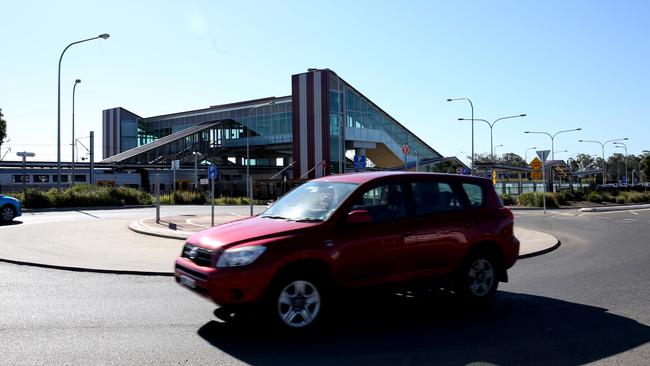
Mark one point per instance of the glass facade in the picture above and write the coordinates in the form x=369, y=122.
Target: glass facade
x=128, y=130
x=335, y=102
x=259, y=126
x=361, y=114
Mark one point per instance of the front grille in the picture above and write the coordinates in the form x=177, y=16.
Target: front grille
x=196, y=274
x=200, y=256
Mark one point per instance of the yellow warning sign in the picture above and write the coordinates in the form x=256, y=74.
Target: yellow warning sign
x=494, y=177
x=536, y=175
x=536, y=164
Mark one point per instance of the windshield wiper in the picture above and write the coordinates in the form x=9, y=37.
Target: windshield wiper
x=275, y=217
x=309, y=219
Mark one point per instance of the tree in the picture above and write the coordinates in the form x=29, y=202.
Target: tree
x=3, y=128
x=512, y=159
x=645, y=165
x=616, y=167
x=582, y=162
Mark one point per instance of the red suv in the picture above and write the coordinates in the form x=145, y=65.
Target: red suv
x=355, y=230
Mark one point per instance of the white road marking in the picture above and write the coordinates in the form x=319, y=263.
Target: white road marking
x=634, y=213
x=238, y=215
x=189, y=221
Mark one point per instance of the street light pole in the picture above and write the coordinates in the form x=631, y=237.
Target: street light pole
x=249, y=182
x=526, y=153
x=196, y=171
x=553, y=146
x=623, y=146
x=472, y=106
x=58, y=113
x=492, y=125
x=602, y=145
x=74, y=88
x=495, y=148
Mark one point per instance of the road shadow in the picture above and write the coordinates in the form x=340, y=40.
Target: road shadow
x=434, y=329
x=11, y=223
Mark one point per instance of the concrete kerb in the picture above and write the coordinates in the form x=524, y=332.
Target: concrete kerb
x=141, y=228
x=615, y=208
x=89, y=208
x=90, y=270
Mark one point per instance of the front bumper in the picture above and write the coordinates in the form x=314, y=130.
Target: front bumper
x=224, y=286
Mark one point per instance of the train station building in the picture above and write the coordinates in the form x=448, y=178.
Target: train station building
x=326, y=126
x=318, y=130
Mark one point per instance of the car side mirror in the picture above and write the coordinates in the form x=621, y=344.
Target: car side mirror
x=359, y=217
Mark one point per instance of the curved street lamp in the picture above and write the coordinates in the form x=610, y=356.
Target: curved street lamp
x=492, y=125
x=472, y=106
x=74, y=88
x=553, y=145
x=249, y=182
x=495, y=148
x=526, y=153
x=58, y=112
x=623, y=146
x=602, y=145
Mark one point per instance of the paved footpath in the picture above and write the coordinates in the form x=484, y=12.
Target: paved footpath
x=109, y=245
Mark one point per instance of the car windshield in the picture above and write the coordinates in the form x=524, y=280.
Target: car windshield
x=312, y=201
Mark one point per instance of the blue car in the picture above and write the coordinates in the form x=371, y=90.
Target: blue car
x=9, y=208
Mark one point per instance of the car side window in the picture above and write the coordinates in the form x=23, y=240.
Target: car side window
x=433, y=197
x=475, y=194
x=383, y=203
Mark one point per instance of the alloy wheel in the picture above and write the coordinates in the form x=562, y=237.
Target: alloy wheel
x=7, y=214
x=481, y=277
x=299, y=304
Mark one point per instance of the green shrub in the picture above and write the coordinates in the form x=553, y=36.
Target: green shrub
x=130, y=196
x=189, y=198
x=507, y=199
x=536, y=199
x=564, y=197
x=35, y=198
x=594, y=197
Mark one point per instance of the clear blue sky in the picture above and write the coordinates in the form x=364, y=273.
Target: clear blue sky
x=565, y=63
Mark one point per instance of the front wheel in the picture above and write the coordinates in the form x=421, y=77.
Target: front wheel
x=297, y=302
x=7, y=213
x=477, y=280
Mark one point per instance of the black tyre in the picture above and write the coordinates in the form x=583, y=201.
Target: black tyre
x=477, y=280
x=7, y=213
x=298, y=301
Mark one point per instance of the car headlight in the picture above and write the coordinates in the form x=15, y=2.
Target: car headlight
x=240, y=256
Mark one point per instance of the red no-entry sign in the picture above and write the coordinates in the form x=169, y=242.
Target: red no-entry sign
x=405, y=149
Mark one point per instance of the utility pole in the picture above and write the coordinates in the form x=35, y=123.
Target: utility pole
x=25, y=155
x=92, y=158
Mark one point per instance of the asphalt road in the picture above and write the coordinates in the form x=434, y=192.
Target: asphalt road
x=588, y=301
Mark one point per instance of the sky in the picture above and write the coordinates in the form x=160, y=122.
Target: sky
x=566, y=64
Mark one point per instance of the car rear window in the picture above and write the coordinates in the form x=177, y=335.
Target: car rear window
x=475, y=194
x=433, y=197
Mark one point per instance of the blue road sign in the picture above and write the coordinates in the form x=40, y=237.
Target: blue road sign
x=465, y=171
x=359, y=162
x=212, y=172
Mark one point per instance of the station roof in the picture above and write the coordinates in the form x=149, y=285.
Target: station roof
x=160, y=142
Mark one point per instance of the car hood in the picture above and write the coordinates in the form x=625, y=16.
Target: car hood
x=247, y=230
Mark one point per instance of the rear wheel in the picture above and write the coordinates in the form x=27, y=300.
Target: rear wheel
x=7, y=213
x=477, y=280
